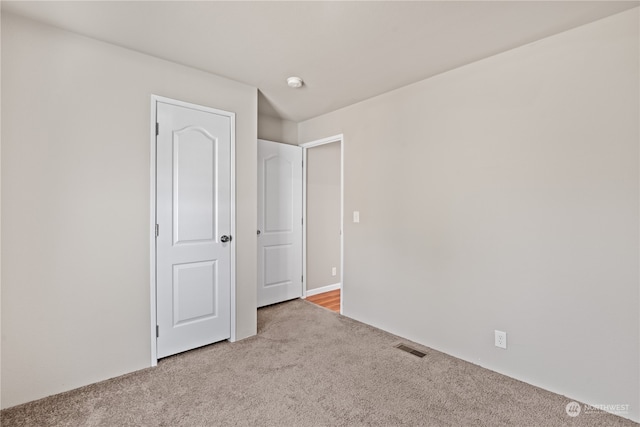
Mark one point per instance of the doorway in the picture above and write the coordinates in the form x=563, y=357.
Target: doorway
x=323, y=225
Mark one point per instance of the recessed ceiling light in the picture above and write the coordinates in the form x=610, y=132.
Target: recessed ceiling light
x=294, y=82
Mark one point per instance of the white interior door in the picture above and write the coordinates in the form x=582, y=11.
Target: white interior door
x=279, y=222
x=193, y=211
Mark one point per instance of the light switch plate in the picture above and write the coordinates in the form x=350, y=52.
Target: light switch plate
x=356, y=216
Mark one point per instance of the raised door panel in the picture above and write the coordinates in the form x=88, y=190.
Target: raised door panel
x=278, y=195
x=194, y=185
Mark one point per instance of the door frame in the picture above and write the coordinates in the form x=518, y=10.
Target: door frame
x=305, y=146
x=152, y=214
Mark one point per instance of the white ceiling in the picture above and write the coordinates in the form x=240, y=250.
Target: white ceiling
x=345, y=51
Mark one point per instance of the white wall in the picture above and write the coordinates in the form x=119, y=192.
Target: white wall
x=505, y=195
x=75, y=204
x=0, y=212
x=323, y=215
x=277, y=130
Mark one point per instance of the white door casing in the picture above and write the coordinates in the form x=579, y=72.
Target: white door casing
x=194, y=214
x=279, y=222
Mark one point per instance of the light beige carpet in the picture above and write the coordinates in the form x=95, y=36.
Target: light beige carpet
x=307, y=367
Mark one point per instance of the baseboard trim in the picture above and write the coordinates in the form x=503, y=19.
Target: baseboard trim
x=323, y=289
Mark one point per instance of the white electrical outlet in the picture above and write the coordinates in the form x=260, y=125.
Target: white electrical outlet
x=500, y=339
x=333, y=271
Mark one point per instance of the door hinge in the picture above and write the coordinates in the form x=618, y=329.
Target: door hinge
x=302, y=221
x=157, y=331
x=157, y=230
x=302, y=278
x=157, y=128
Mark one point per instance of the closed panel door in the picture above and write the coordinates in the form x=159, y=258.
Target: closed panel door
x=194, y=219
x=279, y=222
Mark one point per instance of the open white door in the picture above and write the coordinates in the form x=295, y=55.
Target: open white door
x=193, y=211
x=279, y=222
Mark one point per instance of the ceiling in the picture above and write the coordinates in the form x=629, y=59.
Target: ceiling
x=345, y=51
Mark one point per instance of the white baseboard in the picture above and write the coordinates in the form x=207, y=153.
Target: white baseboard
x=323, y=289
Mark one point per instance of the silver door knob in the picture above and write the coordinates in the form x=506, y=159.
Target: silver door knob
x=225, y=239
x=259, y=232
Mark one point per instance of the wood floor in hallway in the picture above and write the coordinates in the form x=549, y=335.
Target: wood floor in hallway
x=330, y=300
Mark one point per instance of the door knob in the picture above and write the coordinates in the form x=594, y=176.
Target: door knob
x=259, y=232
x=225, y=239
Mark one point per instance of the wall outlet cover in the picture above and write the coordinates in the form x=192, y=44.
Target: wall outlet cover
x=500, y=339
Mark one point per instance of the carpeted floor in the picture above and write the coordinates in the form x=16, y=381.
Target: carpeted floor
x=307, y=367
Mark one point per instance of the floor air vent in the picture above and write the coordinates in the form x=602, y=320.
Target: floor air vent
x=410, y=350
